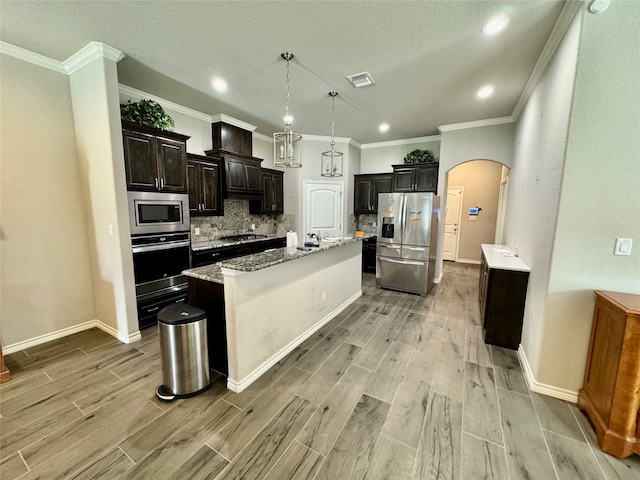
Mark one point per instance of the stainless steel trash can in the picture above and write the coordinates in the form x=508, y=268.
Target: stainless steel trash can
x=182, y=330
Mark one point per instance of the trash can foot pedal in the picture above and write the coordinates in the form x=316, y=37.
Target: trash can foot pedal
x=165, y=395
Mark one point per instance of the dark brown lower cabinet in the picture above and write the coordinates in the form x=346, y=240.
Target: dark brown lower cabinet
x=502, y=295
x=209, y=296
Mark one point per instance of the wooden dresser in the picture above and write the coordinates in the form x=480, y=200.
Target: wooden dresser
x=610, y=394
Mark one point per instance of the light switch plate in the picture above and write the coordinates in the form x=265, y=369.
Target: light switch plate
x=623, y=246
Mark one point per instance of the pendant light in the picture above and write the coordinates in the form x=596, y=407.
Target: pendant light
x=286, y=144
x=332, y=160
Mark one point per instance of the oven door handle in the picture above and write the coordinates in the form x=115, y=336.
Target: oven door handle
x=162, y=246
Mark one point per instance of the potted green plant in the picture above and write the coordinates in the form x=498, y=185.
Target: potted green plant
x=419, y=156
x=147, y=113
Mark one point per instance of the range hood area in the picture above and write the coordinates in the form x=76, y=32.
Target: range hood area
x=242, y=171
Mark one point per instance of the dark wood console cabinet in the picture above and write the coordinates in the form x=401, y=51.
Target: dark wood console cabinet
x=416, y=177
x=610, y=393
x=366, y=189
x=155, y=160
x=502, y=294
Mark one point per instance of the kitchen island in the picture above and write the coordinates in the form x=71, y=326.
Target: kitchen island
x=261, y=306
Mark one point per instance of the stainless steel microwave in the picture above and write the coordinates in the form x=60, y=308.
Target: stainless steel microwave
x=155, y=212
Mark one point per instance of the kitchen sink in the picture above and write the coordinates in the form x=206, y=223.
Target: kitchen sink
x=243, y=236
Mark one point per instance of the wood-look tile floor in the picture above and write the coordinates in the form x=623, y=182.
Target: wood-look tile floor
x=396, y=387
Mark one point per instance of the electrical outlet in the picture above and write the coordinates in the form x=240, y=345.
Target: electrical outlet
x=197, y=231
x=324, y=297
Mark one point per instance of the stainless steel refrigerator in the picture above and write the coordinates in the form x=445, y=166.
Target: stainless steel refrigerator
x=407, y=241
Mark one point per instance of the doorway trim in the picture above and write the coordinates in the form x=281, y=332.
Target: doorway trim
x=502, y=211
x=457, y=246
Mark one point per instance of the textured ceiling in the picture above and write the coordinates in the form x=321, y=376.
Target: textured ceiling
x=428, y=58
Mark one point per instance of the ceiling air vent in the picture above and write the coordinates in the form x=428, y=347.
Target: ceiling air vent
x=360, y=80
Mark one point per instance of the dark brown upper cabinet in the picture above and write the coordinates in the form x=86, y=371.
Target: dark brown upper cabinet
x=366, y=189
x=231, y=139
x=242, y=174
x=272, y=202
x=155, y=160
x=416, y=177
x=204, y=180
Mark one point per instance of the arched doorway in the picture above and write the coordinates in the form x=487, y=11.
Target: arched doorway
x=475, y=208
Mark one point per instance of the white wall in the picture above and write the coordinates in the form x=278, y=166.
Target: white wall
x=379, y=157
x=94, y=94
x=45, y=274
x=600, y=198
x=535, y=182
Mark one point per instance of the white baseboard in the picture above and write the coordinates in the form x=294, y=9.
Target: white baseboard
x=468, y=260
x=133, y=337
x=549, y=390
x=438, y=279
x=65, y=332
x=239, y=386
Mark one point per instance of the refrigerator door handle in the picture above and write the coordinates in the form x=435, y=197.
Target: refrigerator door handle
x=416, y=249
x=403, y=262
x=403, y=216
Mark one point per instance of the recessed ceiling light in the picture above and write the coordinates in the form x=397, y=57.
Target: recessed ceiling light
x=383, y=127
x=495, y=25
x=219, y=84
x=485, y=91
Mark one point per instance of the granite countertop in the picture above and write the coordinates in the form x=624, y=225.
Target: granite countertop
x=503, y=258
x=258, y=261
x=209, y=244
x=211, y=273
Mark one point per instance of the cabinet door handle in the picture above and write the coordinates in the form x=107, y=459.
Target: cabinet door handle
x=156, y=181
x=161, y=183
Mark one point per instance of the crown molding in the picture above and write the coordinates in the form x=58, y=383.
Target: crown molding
x=263, y=137
x=221, y=117
x=139, y=95
x=88, y=54
x=31, y=57
x=406, y=141
x=565, y=18
x=476, y=123
x=325, y=138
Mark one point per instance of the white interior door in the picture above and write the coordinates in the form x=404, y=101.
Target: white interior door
x=322, y=208
x=452, y=224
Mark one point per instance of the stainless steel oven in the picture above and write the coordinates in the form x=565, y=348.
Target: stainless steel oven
x=158, y=260
x=155, y=212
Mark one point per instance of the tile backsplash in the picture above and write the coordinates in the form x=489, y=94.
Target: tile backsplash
x=366, y=224
x=237, y=219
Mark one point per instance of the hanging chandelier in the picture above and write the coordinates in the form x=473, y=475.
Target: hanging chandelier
x=286, y=144
x=332, y=160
